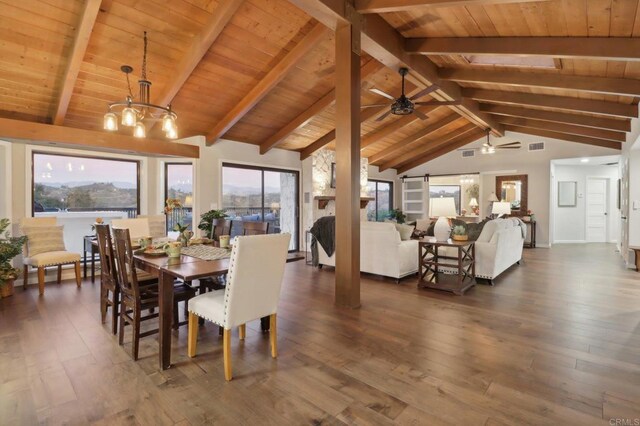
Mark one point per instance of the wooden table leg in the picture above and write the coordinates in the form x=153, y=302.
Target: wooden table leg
x=93, y=265
x=165, y=300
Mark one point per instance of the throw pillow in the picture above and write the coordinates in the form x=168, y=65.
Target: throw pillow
x=474, y=229
x=430, y=229
x=405, y=231
x=44, y=239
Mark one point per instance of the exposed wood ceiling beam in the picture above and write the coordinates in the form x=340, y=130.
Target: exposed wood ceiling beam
x=429, y=145
x=556, y=102
x=365, y=115
x=264, y=86
x=386, y=44
x=98, y=141
x=381, y=133
x=408, y=141
x=605, y=48
x=605, y=85
x=565, y=137
x=320, y=105
x=200, y=45
x=564, y=128
x=558, y=117
x=387, y=6
x=440, y=151
x=83, y=34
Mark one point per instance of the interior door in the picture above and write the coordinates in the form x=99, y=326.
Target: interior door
x=624, y=208
x=596, y=210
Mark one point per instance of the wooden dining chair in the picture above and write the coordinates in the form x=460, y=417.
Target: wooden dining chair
x=134, y=297
x=255, y=228
x=109, y=287
x=220, y=227
x=256, y=268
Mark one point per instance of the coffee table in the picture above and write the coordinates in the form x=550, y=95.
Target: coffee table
x=433, y=264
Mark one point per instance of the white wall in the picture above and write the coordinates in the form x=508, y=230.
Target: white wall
x=534, y=164
x=5, y=180
x=570, y=222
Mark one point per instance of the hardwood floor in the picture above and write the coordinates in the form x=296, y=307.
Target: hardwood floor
x=555, y=341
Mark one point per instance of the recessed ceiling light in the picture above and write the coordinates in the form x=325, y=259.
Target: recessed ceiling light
x=584, y=160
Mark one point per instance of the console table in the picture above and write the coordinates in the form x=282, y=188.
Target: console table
x=433, y=265
x=531, y=224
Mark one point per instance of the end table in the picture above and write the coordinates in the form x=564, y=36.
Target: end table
x=431, y=274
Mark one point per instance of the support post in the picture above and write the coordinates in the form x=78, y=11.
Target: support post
x=348, y=162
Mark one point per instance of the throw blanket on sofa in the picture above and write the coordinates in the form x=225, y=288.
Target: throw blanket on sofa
x=324, y=232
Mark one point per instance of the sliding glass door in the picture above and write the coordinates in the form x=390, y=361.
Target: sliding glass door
x=261, y=194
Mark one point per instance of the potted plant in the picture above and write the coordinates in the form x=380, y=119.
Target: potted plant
x=207, y=218
x=184, y=234
x=397, y=215
x=10, y=247
x=459, y=233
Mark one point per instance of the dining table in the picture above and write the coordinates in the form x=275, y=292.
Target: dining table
x=185, y=268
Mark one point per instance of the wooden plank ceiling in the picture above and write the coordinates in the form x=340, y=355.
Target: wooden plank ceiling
x=262, y=71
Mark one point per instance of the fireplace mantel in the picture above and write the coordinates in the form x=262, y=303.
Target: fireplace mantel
x=323, y=200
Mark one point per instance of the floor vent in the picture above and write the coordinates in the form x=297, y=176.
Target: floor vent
x=469, y=153
x=538, y=146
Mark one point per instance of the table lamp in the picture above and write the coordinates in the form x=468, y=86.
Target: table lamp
x=501, y=208
x=443, y=208
x=474, y=205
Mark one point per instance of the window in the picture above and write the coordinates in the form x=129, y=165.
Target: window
x=178, y=184
x=446, y=191
x=64, y=183
x=260, y=194
x=379, y=209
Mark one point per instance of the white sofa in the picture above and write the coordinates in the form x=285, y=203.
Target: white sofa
x=382, y=252
x=498, y=247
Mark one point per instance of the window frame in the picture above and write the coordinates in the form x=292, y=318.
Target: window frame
x=91, y=157
x=391, y=193
x=263, y=169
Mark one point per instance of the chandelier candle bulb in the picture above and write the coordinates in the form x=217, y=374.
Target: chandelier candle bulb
x=172, y=134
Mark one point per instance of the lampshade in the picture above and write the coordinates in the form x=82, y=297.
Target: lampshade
x=473, y=202
x=501, y=208
x=493, y=197
x=129, y=117
x=442, y=207
x=139, y=131
x=110, y=121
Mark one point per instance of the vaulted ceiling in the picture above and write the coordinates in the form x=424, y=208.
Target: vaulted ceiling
x=261, y=71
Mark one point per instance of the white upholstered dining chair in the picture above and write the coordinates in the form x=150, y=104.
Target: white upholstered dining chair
x=256, y=268
x=157, y=225
x=45, y=248
x=138, y=227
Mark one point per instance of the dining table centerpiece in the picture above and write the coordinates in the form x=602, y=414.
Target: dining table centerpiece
x=10, y=247
x=184, y=234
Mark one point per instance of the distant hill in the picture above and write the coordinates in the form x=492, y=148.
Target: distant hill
x=85, y=196
x=122, y=185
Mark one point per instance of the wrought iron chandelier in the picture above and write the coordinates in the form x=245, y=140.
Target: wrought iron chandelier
x=133, y=113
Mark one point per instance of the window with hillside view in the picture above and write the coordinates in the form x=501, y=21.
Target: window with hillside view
x=178, y=184
x=379, y=209
x=74, y=183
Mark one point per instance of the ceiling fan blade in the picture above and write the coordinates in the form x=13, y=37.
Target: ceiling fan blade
x=383, y=116
x=421, y=115
x=381, y=93
x=375, y=105
x=509, y=144
x=438, y=103
x=424, y=92
x=507, y=147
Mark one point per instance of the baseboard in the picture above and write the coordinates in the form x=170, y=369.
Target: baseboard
x=569, y=241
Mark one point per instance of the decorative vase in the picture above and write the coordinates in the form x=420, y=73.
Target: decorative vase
x=6, y=288
x=460, y=237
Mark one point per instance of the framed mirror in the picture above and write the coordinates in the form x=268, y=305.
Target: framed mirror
x=567, y=194
x=514, y=189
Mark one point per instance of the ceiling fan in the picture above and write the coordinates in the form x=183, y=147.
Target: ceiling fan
x=404, y=105
x=489, y=148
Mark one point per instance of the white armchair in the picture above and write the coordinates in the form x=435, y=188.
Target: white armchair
x=256, y=268
x=45, y=248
